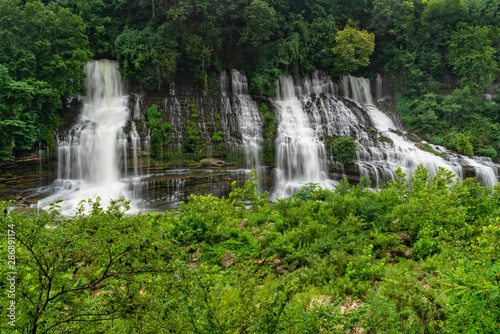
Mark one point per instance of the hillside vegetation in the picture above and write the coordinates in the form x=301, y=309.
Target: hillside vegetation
x=345, y=261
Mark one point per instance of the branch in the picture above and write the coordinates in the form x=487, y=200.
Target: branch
x=84, y=315
x=33, y=253
x=104, y=276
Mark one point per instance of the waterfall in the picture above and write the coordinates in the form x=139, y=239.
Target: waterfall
x=378, y=87
x=314, y=110
x=240, y=112
x=382, y=88
x=310, y=113
x=249, y=120
x=400, y=152
x=89, y=156
x=300, y=154
x=135, y=140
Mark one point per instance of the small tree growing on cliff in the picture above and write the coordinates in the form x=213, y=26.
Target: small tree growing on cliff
x=345, y=149
x=353, y=50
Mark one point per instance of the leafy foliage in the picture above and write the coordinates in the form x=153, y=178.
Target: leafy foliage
x=332, y=259
x=261, y=21
x=42, y=53
x=345, y=149
x=473, y=56
x=352, y=51
x=306, y=192
x=159, y=131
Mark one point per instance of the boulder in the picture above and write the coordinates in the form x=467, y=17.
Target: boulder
x=321, y=300
x=399, y=133
x=413, y=137
x=31, y=201
x=227, y=260
x=280, y=270
x=403, y=235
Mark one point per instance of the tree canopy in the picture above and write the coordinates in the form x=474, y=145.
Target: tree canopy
x=42, y=53
x=423, y=47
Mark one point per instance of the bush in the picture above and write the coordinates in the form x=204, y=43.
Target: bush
x=152, y=113
x=462, y=144
x=159, y=131
x=218, y=137
x=305, y=192
x=488, y=152
x=437, y=141
x=345, y=149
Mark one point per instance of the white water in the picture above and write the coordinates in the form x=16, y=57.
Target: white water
x=300, y=154
x=249, y=120
x=311, y=111
x=135, y=141
x=386, y=157
x=89, y=157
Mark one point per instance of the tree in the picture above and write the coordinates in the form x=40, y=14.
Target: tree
x=439, y=19
x=148, y=56
x=104, y=20
x=473, y=56
x=82, y=270
x=392, y=18
x=55, y=40
x=261, y=21
x=42, y=54
x=22, y=104
x=353, y=50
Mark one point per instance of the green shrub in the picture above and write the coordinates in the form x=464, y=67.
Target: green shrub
x=159, y=131
x=437, y=141
x=488, y=152
x=471, y=286
x=462, y=144
x=305, y=192
x=192, y=130
x=263, y=108
x=218, y=137
x=152, y=113
x=270, y=122
x=345, y=149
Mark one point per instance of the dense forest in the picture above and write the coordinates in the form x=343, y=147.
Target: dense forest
x=441, y=56
x=344, y=261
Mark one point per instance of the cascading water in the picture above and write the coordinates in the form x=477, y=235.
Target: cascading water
x=300, y=154
x=312, y=112
x=89, y=156
x=385, y=156
x=135, y=141
x=249, y=120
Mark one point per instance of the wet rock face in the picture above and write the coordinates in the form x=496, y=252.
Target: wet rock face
x=210, y=120
x=26, y=172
